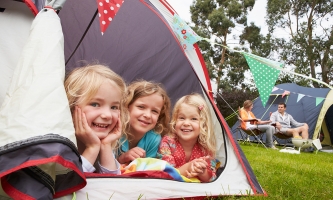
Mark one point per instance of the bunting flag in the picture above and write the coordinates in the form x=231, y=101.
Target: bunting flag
x=265, y=73
x=285, y=93
x=299, y=97
x=319, y=100
x=107, y=10
x=186, y=36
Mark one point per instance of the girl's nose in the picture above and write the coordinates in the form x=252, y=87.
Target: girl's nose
x=106, y=113
x=186, y=122
x=147, y=113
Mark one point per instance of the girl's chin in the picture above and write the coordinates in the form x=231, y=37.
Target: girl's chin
x=101, y=135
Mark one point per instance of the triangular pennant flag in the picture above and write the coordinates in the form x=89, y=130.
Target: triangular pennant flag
x=299, y=97
x=319, y=100
x=107, y=10
x=265, y=72
x=186, y=36
x=285, y=93
x=274, y=89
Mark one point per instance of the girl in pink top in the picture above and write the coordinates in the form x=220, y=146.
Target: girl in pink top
x=190, y=147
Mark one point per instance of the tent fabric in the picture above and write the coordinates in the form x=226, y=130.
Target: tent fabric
x=302, y=109
x=17, y=19
x=140, y=44
x=35, y=120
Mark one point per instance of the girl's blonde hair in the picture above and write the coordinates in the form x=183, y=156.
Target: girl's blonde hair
x=142, y=88
x=82, y=84
x=207, y=137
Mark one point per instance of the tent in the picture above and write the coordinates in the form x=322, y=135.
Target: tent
x=140, y=44
x=310, y=105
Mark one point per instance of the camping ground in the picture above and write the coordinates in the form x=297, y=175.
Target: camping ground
x=291, y=176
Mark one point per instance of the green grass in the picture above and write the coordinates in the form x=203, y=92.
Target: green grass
x=291, y=176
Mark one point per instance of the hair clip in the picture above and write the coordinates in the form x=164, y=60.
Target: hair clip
x=201, y=107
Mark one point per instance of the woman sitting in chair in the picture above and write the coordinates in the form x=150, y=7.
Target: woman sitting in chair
x=250, y=122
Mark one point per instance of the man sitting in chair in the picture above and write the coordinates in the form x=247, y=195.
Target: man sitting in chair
x=284, y=121
x=250, y=122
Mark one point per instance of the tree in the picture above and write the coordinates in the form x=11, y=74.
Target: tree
x=217, y=19
x=309, y=45
x=229, y=101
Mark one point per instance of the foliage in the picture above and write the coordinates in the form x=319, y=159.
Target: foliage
x=217, y=19
x=310, y=36
x=229, y=101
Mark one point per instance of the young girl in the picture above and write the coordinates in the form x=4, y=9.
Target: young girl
x=190, y=147
x=148, y=106
x=95, y=95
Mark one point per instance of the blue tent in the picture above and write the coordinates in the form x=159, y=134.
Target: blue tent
x=310, y=105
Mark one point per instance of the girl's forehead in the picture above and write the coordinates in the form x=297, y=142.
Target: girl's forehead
x=187, y=106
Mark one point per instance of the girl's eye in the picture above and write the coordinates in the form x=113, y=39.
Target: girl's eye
x=141, y=107
x=114, y=107
x=94, y=104
x=156, y=112
x=194, y=119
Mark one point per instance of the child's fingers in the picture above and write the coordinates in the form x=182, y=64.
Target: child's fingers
x=84, y=122
x=75, y=118
x=80, y=128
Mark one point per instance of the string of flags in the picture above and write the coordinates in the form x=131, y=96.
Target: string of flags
x=299, y=95
x=265, y=72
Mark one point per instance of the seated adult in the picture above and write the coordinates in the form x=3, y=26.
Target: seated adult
x=285, y=121
x=247, y=116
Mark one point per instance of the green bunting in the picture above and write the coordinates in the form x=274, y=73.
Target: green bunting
x=265, y=73
x=319, y=100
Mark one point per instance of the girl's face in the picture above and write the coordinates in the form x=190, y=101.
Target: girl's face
x=188, y=124
x=102, y=111
x=144, y=113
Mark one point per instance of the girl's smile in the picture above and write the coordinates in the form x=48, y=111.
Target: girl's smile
x=102, y=111
x=144, y=113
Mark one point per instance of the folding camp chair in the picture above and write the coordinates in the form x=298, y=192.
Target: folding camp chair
x=279, y=137
x=246, y=134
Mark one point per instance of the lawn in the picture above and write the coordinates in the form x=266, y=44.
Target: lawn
x=291, y=176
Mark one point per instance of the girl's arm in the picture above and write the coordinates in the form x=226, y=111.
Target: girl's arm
x=131, y=155
x=106, y=156
x=84, y=134
x=165, y=150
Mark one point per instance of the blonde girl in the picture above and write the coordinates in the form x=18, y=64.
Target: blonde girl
x=149, y=114
x=95, y=95
x=190, y=146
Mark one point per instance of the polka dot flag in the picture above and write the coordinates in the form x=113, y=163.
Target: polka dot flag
x=265, y=73
x=107, y=10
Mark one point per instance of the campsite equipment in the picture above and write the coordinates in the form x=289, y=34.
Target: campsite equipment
x=301, y=143
x=256, y=133
x=309, y=105
x=140, y=44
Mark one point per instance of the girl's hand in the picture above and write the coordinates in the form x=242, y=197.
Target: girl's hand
x=83, y=131
x=197, y=166
x=114, y=134
x=85, y=135
x=132, y=154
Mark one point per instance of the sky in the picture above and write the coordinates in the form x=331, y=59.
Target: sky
x=257, y=15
